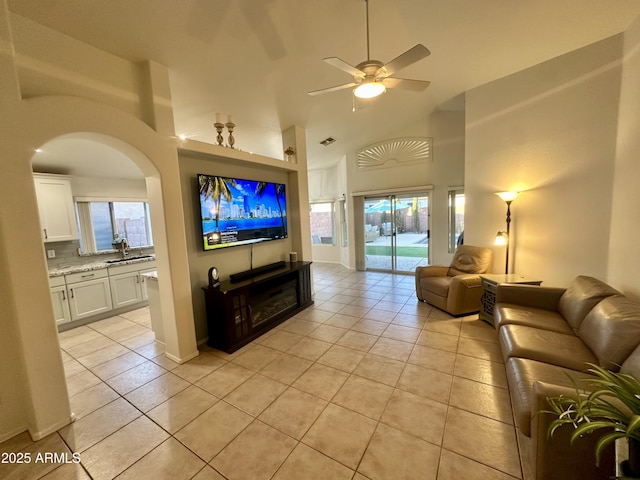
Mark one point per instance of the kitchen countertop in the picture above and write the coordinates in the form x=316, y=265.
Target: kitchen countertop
x=58, y=272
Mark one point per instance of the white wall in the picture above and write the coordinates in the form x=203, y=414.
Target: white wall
x=447, y=129
x=447, y=169
x=109, y=188
x=323, y=184
x=51, y=63
x=39, y=398
x=344, y=238
x=624, y=259
x=13, y=418
x=549, y=132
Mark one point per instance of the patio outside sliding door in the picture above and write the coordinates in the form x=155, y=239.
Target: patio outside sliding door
x=396, y=232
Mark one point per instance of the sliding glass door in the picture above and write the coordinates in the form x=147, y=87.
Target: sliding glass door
x=396, y=232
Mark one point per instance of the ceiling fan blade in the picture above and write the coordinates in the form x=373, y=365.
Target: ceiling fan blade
x=332, y=89
x=418, y=52
x=344, y=66
x=405, y=84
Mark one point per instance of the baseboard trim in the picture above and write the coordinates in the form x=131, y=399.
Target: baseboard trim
x=12, y=433
x=184, y=359
x=39, y=435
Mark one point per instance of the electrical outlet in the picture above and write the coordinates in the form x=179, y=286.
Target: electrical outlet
x=51, y=254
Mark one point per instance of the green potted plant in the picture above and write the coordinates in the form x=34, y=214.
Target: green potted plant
x=612, y=402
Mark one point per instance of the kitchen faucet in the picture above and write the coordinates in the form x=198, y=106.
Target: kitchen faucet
x=123, y=245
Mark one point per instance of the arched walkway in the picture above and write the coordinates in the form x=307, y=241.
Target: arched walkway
x=39, y=401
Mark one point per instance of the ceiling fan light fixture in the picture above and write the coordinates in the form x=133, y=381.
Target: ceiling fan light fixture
x=369, y=89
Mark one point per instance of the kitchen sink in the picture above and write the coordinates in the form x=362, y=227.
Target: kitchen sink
x=120, y=260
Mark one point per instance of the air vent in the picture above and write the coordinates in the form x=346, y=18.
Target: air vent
x=328, y=141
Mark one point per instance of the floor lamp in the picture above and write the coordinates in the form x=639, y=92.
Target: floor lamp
x=502, y=238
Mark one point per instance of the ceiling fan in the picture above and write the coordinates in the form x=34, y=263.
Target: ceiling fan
x=371, y=77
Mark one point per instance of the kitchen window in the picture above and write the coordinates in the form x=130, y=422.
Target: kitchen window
x=100, y=222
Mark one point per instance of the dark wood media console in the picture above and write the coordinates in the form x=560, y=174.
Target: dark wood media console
x=240, y=312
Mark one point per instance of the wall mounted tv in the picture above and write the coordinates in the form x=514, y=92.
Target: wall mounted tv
x=235, y=211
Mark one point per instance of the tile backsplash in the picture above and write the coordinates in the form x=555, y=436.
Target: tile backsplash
x=67, y=254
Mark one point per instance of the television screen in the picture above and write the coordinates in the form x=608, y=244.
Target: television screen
x=239, y=212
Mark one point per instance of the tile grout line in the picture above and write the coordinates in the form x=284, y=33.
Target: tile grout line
x=314, y=362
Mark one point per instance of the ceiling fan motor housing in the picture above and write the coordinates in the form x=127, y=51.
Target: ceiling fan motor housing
x=371, y=70
x=372, y=77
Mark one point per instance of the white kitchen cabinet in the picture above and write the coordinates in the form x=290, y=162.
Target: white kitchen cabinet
x=125, y=289
x=88, y=297
x=143, y=280
x=55, y=205
x=95, y=292
x=127, y=284
x=60, y=304
x=151, y=282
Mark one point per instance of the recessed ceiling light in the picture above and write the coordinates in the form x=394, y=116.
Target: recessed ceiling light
x=38, y=150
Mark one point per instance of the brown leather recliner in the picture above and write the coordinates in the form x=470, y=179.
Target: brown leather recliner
x=456, y=289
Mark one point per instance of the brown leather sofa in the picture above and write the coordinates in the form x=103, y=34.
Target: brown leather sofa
x=456, y=289
x=547, y=337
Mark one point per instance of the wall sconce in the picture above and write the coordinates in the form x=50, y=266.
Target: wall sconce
x=290, y=152
x=502, y=237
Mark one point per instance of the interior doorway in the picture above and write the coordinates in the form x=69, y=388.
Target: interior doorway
x=396, y=231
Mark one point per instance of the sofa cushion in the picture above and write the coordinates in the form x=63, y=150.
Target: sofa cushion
x=521, y=375
x=509, y=314
x=559, y=349
x=580, y=297
x=437, y=285
x=632, y=364
x=612, y=330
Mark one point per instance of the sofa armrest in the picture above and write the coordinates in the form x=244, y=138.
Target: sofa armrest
x=428, y=271
x=555, y=456
x=535, y=296
x=431, y=271
x=467, y=280
x=465, y=292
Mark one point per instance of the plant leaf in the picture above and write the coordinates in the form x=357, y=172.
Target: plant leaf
x=589, y=427
x=634, y=425
x=604, y=442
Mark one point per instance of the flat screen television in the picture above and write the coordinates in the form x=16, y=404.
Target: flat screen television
x=235, y=211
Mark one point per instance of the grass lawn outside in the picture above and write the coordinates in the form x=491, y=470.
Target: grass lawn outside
x=401, y=251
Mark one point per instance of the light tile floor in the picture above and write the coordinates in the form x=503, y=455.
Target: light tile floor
x=368, y=383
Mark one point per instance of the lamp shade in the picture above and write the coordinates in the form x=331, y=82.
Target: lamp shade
x=507, y=196
x=501, y=238
x=369, y=89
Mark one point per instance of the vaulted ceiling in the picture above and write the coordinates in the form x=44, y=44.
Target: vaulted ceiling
x=257, y=59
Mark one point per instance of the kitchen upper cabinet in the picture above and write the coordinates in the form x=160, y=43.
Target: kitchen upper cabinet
x=55, y=205
x=89, y=297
